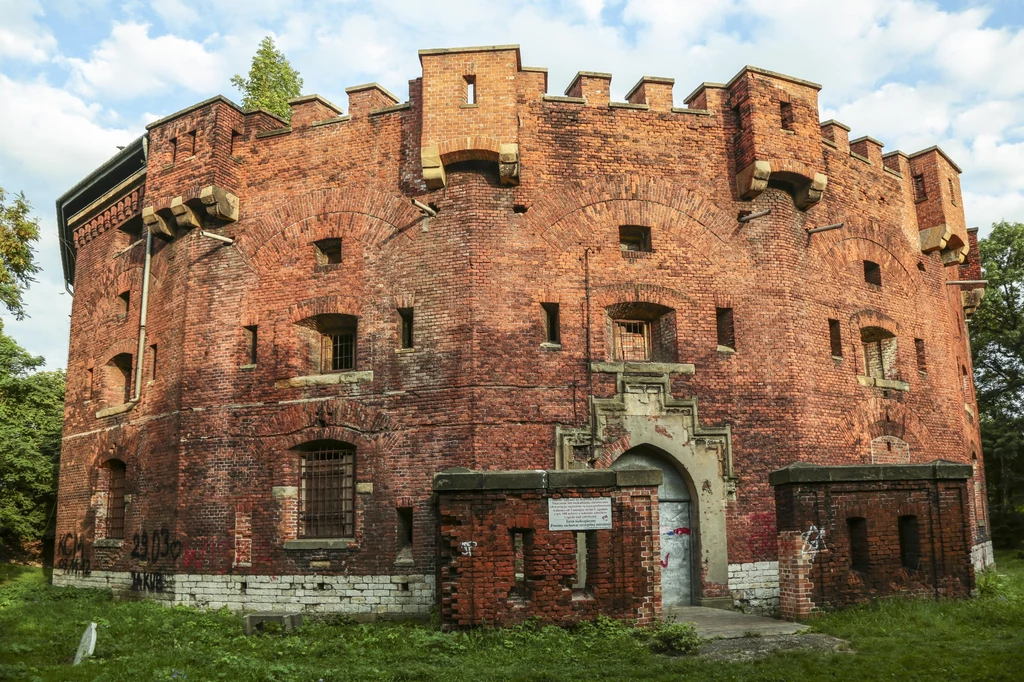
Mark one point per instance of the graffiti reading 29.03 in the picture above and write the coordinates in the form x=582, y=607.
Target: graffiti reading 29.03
x=154, y=546
x=814, y=542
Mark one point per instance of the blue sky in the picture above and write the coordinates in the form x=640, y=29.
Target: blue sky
x=79, y=77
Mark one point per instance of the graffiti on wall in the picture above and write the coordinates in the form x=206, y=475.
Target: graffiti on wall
x=467, y=547
x=202, y=551
x=148, y=582
x=155, y=545
x=73, y=555
x=814, y=542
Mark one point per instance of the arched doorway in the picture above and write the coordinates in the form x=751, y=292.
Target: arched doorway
x=674, y=514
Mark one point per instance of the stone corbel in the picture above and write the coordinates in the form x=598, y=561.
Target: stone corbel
x=508, y=164
x=809, y=195
x=935, y=238
x=433, y=168
x=753, y=179
x=955, y=256
x=156, y=223
x=183, y=214
x=220, y=203
x=971, y=299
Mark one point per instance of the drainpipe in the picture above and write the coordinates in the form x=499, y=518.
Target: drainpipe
x=142, y=318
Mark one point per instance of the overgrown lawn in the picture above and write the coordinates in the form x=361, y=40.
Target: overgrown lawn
x=40, y=626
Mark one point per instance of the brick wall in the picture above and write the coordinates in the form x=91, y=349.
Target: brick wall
x=824, y=561
x=486, y=579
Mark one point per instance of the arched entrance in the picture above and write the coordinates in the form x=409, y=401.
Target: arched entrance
x=674, y=514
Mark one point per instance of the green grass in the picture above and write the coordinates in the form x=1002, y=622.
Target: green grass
x=979, y=639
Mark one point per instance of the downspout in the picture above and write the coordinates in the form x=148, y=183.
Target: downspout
x=140, y=355
x=590, y=360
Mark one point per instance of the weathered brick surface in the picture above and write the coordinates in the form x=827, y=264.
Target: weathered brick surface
x=212, y=434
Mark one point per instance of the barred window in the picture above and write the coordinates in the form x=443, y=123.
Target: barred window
x=327, y=490
x=632, y=340
x=339, y=351
x=115, y=499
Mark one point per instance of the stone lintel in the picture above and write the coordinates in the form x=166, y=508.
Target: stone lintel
x=284, y=492
x=319, y=543
x=460, y=479
x=643, y=368
x=800, y=472
x=325, y=379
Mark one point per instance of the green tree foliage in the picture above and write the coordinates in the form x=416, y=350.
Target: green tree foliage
x=997, y=343
x=271, y=83
x=17, y=232
x=31, y=419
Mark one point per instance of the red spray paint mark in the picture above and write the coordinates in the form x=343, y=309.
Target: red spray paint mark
x=664, y=562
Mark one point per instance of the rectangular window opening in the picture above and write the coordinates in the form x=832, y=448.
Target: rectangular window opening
x=919, y=188
x=406, y=317
x=635, y=238
x=115, y=500
x=857, y=528
x=835, y=338
x=250, y=336
x=786, y=114
x=404, y=515
x=552, y=333
x=910, y=543
x=174, y=149
x=327, y=493
x=152, y=363
x=952, y=192
x=328, y=251
x=872, y=273
x=725, y=327
x=580, y=583
x=521, y=542
x=124, y=300
x=88, y=383
x=919, y=348
x=632, y=340
x=236, y=142
x=470, y=89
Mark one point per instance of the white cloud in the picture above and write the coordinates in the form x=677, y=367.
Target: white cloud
x=130, y=64
x=175, y=13
x=21, y=37
x=901, y=116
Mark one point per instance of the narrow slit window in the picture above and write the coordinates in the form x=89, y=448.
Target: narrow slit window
x=121, y=376
x=580, y=583
x=835, y=338
x=236, y=142
x=152, y=363
x=115, y=499
x=470, y=89
x=634, y=238
x=919, y=349
x=910, y=543
x=405, y=316
x=187, y=144
x=952, y=191
x=89, y=378
x=786, y=114
x=857, y=528
x=919, y=188
x=404, y=540
x=521, y=542
x=725, y=327
x=552, y=333
x=872, y=273
x=124, y=299
x=250, y=337
x=174, y=149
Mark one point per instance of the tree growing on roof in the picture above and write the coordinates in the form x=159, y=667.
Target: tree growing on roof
x=271, y=83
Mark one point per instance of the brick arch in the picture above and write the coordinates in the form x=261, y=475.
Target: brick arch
x=874, y=318
x=295, y=424
x=843, y=254
x=476, y=148
x=374, y=218
x=569, y=212
x=636, y=292
x=876, y=417
x=324, y=305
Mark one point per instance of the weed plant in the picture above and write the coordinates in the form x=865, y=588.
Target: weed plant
x=896, y=639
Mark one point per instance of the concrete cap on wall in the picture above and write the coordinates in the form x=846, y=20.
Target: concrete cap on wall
x=801, y=472
x=460, y=479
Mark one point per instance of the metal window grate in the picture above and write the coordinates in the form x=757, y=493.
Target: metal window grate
x=632, y=340
x=339, y=351
x=115, y=500
x=327, y=493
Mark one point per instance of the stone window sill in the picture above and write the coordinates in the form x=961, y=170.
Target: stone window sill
x=108, y=543
x=892, y=384
x=320, y=543
x=547, y=345
x=727, y=350
x=116, y=409
x=405, y=351
x=325, y=379
x=248, y=367
x=642, y=368
x=469, y=106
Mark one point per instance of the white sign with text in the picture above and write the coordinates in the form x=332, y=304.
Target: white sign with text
x=580, y=513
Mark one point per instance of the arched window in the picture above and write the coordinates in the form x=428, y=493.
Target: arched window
x=879, y=353
x=327, y=489
x=119, y=379
x=115, y=499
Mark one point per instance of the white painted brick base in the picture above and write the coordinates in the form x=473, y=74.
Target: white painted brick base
x=348, y=594
x=982, y=556
x=755, y=587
